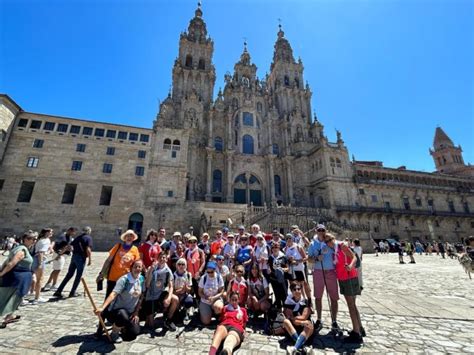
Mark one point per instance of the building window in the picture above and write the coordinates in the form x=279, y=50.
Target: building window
x=145, y=138
x=23, y=122
x=276, y=149
x=139, y=170
x=247, y=144
x=38, y=143
x=247, y=119
x=374, y=198
x=76, y=165
x=418, y=201
x=26, y=191
x=110, y=151
x=122, y=135
x=465, y=206
x=217, y=181
x=387, y=206
x=287, y=80
x=218, y=144
x=107, y=168
x=75, y=129
x=189, y=61
x=451, y=206
x=62, y=127
x=176, y=145
x=49, y=126
x=133, y=137
x=80, y=147
x=201, y=64
x=142, y=154
x=32, y=162
x=406, y=203
x=174, y=154
x=167, y=143
x=361, y=192
x=412, y=222
x=99, y=132
x=2, y=182
x=105, y=196
x=277, y=183
x=170, y=193
x=35, y=124
x=69, y=194
x=111, y=133
x=87, y=131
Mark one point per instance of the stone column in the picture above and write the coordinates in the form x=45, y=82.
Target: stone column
x=209, y=174
x=211, y=138
x=230, y=192
x=289, y=180
x=271, y=179
x=247, y=188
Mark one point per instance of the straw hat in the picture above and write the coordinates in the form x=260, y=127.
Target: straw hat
x=130, y=231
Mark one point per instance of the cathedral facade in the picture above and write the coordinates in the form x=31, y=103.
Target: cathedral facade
x=254, y=154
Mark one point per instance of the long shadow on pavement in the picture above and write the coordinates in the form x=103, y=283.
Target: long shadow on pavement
x=89, y=344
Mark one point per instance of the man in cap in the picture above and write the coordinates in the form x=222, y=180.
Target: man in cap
x=81, y=251
x=324, y=276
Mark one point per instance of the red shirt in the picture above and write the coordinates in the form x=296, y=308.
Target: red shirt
x=150, y=252
x=252, y=240
x=232, y=318
x=216, y=247
x=242, y=288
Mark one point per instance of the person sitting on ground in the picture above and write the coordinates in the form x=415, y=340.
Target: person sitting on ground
x=259, y=293
x=239, y=284
x=232, y=327
x=159, y=295
x=211, y=289
x=121, y=307
x=298, y=324
x=348, y=284
x=182, y=287
x=16, y=278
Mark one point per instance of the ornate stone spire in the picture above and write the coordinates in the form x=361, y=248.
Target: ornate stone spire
x=441, y=139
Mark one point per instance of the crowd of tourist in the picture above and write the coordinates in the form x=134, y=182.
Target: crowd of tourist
x=231, y=277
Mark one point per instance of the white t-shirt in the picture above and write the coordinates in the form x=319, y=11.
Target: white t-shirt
x=42, y=245
x=181, y=280
x=293, y=252
x=211, y=286
x=262, y=252
x=358, y=251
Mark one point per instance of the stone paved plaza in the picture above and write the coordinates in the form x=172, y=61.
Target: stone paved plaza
x=427, y=307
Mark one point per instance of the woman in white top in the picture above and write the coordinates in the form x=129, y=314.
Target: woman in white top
x=261, y=255
x=296, y=257
x=42, y=247
x=358, y=250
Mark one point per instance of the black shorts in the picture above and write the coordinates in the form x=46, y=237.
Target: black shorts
x=300, y=276
x=229, y=328
x=154, y=306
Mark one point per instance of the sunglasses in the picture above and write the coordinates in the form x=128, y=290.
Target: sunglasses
x=297, y=289
x=181, y=264
x=320, y=230
x=210, y=271
x=239, y=272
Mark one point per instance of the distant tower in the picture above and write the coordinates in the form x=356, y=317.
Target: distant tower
x=193, y=71
x=448, y=158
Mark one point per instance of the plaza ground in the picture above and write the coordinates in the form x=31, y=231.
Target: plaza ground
x=423, y=307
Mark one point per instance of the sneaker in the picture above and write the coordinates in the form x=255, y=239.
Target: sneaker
x=354, y=338
x=225, y=352
x=116, y=338
x=290, y=350
x=318, y=325
x=335, y=326
x=39, y=301
x=24, y=303
x=412, y=262
x=54, y=288
x=170, y=326
x=58, y=294
x=46, y=288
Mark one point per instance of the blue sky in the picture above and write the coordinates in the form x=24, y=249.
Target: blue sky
x=384, y=72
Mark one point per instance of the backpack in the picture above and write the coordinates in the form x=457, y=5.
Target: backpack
x=358, y=262
x=274, y=321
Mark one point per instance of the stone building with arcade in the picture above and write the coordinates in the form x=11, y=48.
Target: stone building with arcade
x=256, y=153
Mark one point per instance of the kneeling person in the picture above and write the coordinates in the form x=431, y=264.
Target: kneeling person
x=122, y=305
x=159, y=296
x=211, y=288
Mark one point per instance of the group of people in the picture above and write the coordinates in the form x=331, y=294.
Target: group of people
x=227, y=277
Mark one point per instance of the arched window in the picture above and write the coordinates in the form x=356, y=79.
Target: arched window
x=247, y=144
x=167, y=143
x=241, y=178
x=201, y=64
x=247, y=119
x=189, y=61
x=218, y=144
x=176, y=145
x=287, y=80
x=276, y=149
x=277, y=183
x=217, y=181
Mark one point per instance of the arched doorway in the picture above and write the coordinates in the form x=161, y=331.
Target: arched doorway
x=248, y=189
x=135, y=222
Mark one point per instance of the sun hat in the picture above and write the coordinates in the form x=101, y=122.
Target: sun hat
x=129, y=231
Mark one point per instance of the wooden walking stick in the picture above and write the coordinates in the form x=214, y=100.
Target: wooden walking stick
x=101, y=320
